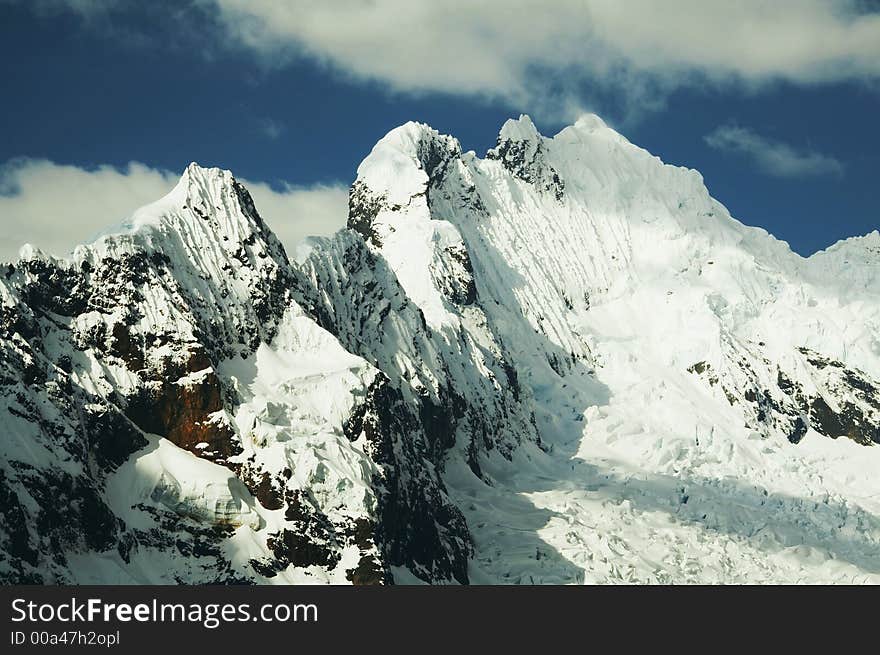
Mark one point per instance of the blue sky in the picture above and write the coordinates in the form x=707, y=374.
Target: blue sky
x=291, y=99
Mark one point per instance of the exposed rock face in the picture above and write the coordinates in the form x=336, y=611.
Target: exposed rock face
x=617, y=306
x=363, y=207
x=432, y=393
x=183, y=412
x=424, y=531
x=520, y=149
x=856, y=398
x=158, y=331
x=354, y=295
x=789, y=407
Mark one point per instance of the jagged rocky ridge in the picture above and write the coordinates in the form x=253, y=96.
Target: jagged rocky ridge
x=505, y=370
x=172, y=414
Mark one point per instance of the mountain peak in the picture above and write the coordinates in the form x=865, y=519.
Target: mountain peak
x=197, y=174
x=388, y=169
x=29, y=252
x=200, y=192
x=519, y=129
x=590, y=122
x=521, y=150
x=568, y=335
x=412, y=139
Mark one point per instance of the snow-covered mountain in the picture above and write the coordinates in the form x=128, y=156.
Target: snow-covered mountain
x=561, y=363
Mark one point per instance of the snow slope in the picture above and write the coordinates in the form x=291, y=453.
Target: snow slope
x=171, y=414
x=563, y=362
x=687, y=370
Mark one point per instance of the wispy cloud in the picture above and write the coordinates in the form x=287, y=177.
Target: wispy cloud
x=773, y=157
x=270, y=128
x=55, y=207
x=606, y=55
x=577, y=52
x=296, y=212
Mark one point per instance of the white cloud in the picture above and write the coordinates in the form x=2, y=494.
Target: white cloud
x=637, y=49
x=55, y=207
x=773, y=157
x=298, y=212
x=270, y=128
x=550, y=59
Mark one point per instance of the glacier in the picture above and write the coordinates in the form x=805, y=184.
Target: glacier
x=561, y=363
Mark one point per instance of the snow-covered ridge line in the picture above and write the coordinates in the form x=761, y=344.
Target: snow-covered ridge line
x=642, y=319
x=180, y=333
x=562, y=362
